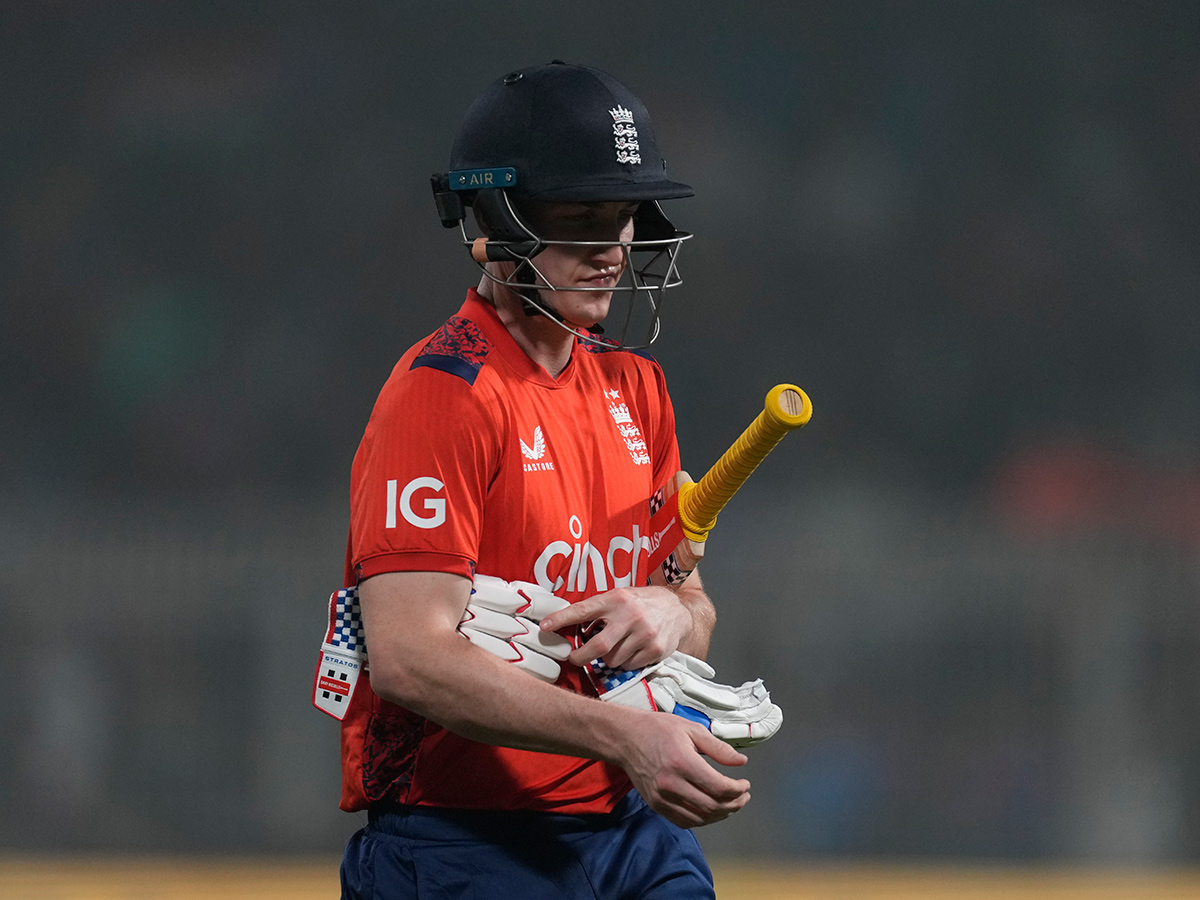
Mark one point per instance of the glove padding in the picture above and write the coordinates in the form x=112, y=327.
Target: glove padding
x=681, y=684
x=501, y=617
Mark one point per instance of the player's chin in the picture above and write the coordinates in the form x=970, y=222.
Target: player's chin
x=588, y=308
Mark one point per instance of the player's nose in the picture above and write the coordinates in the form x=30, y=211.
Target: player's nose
x=608, y=256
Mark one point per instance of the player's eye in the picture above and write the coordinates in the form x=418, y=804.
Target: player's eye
x=590, y=222
x=575, y=219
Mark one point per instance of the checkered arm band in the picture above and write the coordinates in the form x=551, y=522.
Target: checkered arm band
x=345, y=632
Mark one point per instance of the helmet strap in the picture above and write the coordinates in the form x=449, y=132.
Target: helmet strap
x=532, y=302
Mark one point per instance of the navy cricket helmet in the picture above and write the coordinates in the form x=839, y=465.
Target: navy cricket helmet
x=572, y=134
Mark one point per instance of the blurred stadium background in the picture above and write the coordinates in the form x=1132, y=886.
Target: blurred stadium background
x=968, y=230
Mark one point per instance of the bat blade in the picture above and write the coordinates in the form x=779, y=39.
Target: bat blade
x=688, y=510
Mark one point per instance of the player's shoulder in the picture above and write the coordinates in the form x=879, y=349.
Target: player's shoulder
x=440, y=373
x=460, y=348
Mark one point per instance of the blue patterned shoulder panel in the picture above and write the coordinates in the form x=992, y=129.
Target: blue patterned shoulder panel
x=459, y=347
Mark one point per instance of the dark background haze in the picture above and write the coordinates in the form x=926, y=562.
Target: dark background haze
x=969, y=231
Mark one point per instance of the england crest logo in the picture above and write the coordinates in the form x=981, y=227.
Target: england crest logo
x=625, y=136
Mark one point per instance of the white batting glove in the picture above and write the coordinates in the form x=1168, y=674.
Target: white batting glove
x=683, y=685
x=501, y=617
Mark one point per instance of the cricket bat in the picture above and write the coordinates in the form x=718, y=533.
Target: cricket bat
x=683, y=512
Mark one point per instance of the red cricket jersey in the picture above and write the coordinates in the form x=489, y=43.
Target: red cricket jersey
x=476, y=460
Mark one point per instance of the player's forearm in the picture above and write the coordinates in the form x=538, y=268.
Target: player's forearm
x=703, y=614
x=420, y=661
x=477, y=696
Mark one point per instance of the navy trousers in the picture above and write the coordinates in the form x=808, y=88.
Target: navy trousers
x=631, y=853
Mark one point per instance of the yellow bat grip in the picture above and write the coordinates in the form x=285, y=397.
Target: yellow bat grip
x=787, y=407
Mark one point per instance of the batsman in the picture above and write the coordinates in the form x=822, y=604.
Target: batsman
x=516, y=654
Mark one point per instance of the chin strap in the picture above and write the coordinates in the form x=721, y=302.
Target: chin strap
x=534, y=304
x=530, y=295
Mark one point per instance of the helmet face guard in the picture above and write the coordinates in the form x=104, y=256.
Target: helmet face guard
x=560, y=133
x=649, y=269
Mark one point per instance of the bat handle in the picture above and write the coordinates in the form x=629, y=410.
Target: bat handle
x=787, y=407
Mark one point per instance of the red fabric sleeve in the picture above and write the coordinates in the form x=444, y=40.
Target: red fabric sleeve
x=421, y=476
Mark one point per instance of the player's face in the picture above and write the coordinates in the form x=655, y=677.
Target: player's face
x=582, y=266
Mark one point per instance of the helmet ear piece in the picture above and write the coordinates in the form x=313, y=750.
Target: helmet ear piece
x=508, y=238
x=650, y=223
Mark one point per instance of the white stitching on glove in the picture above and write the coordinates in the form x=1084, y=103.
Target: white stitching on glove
x=501, y=617
x=683, y=685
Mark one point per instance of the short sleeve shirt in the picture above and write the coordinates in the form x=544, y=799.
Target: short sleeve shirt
x=477, y=460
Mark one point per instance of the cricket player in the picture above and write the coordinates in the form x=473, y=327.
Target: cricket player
x=522, y=441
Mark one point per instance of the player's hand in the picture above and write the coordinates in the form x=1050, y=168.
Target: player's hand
x=665, y=762
x=641, y=626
